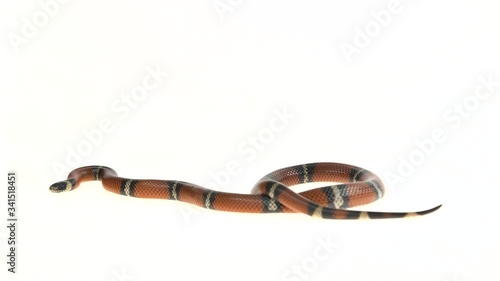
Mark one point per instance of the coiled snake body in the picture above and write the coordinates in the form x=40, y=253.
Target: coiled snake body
x=271, y=194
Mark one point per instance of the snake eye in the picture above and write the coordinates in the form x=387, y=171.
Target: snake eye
x=62, y=186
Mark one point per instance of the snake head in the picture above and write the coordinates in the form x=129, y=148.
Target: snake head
x=63, y=186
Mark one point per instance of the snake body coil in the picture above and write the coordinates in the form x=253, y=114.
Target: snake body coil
x=271, y=194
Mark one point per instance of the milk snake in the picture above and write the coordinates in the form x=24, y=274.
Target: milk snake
x=271, y=194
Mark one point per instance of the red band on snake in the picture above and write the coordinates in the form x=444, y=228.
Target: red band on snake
x=271, y=194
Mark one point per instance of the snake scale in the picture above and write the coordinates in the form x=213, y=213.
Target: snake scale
x=272, y=194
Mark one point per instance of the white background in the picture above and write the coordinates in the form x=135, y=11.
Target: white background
x=229, y=72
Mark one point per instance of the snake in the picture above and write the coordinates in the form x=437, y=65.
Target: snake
x=346, y=186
